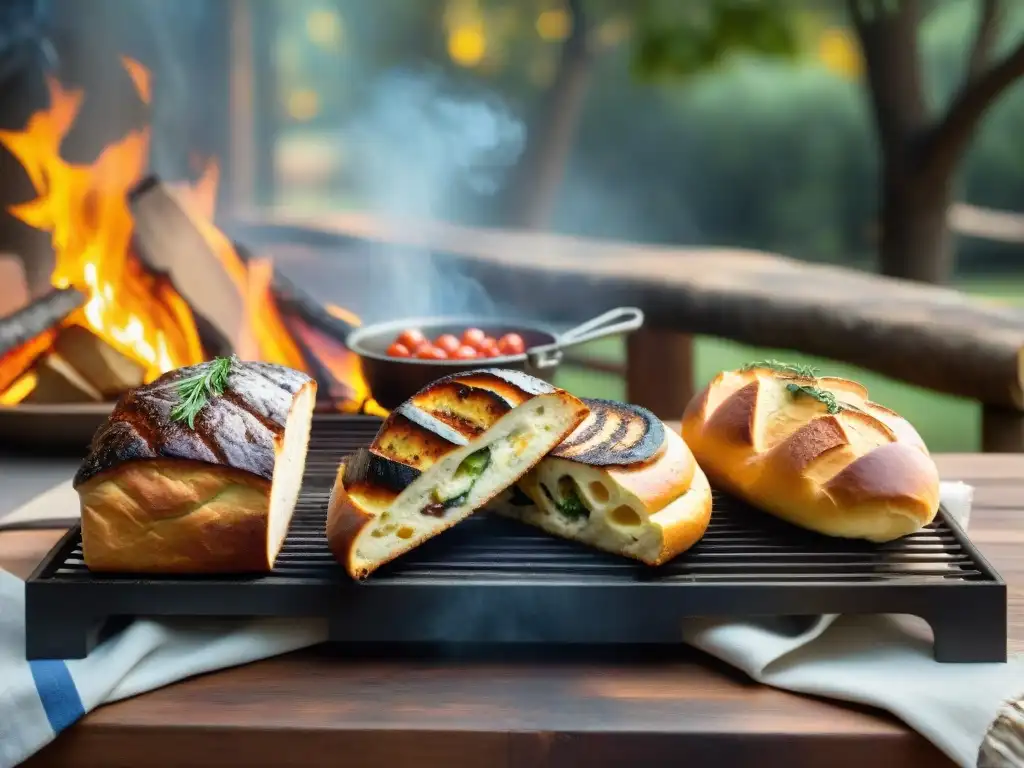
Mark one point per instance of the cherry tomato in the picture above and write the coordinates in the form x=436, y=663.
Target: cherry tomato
x=488, y=348
x=511, y=344
x=465, y=352
x=431, y=353
x=398, y=350
x=447, y=342
x=411, y=338
x=473, y=336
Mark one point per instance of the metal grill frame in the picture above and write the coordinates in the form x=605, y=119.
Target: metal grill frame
x=494, y=580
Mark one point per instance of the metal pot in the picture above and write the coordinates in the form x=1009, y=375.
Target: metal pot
x=393, y=380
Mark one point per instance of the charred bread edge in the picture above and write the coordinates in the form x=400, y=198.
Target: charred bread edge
x=601, y=454
x=96, y=462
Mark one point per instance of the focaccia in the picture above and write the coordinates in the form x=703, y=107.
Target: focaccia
x=438, y=457
x=622, y=483
x=158, y=495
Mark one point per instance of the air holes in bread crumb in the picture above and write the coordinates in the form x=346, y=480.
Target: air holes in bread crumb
x=624, y=515
x=599, y=492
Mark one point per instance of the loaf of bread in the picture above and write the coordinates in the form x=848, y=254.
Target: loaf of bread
x=440, y=456
x=814, y=451
x=621, y=482
x=159, y=495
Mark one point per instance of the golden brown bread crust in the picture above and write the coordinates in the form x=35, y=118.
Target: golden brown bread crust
x=175, y=516
x=158, y=496
x=859, y=472
x=444, y=416
x=663, y=477
x=684, y=521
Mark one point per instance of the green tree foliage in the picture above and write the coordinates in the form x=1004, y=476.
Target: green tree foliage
x=674, y=39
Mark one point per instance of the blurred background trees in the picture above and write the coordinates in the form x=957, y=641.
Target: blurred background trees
x=836, y=131
x=831, y=130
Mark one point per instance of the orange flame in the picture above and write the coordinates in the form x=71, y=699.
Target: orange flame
x=85, y=209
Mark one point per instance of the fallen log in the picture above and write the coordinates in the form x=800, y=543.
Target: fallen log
x=106, y=370
x=934, y=337
x=43, y=314
x=293, y=300
x=57, y=381
x=333, y=393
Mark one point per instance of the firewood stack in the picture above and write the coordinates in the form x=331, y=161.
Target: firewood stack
x=49, y=355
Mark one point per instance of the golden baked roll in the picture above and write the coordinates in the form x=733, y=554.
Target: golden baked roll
x=814, y=451
x=440, y=456
x=197, y=472
x=621, y=482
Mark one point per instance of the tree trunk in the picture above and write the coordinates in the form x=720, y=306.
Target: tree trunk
x=916, y=241
x=537, y=178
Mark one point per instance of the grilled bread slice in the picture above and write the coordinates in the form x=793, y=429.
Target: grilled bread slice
x=621, y=482
x=160, y=496
x=439, y=456
x=813, y=451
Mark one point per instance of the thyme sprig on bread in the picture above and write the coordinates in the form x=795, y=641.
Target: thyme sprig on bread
x=828, y=399
x=803, y=371
x=196, y=390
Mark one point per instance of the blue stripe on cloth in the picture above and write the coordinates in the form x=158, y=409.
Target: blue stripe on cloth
x=57, y=692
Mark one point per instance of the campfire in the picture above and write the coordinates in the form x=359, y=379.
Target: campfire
x=143, y=281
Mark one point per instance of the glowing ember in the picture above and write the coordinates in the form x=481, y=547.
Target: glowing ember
x=85, y=209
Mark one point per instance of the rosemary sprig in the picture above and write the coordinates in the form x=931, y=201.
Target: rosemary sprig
x=832, y=405
x=804, y=371
x=194, y=391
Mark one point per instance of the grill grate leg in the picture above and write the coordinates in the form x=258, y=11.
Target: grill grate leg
x=971, y=636
x=52, y=636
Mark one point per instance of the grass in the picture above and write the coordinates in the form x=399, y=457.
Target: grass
x=946, y=423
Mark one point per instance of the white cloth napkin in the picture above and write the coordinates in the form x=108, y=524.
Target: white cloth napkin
x=872, y=660
x=38, y=699
x=881, y=661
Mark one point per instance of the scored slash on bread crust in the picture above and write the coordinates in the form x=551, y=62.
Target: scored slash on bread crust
x=862, y=471
x=631, y=487
x=160, y=497
x=412, y=482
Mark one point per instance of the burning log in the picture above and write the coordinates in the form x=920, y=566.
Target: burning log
x=100, y=365
x=19, y=360
x=28, y=333
x=293, y=301
x=170, y=241
x=42, y=315
x=332, y=392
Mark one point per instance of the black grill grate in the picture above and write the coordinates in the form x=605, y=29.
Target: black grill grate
x=490, y=579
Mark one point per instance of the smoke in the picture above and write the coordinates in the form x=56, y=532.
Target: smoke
x=420, y=148
x=418, y=144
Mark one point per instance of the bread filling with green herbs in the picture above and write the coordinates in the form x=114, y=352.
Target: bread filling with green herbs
x=568, y=502
x=455, y=491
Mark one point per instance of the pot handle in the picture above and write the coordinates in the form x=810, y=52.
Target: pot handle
x=612, y=322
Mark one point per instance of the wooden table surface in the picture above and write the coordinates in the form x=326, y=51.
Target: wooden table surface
x=317, y=707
